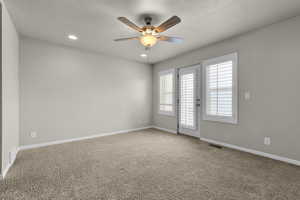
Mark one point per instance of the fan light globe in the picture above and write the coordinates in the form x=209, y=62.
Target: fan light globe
x=148, y=40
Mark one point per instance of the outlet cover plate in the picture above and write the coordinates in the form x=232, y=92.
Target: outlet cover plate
x=267, y=141
x=33, y=134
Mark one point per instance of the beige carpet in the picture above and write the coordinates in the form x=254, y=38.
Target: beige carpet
x=147, y=165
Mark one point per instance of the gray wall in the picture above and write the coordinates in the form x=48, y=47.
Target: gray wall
x=10, y=88
x=68, y=93
x=1, y=89
x=269, y=67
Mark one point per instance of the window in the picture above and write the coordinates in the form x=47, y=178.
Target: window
x=220, y=89
x=166, y=92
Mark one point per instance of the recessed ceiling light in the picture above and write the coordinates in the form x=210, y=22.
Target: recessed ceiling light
x=143, y=55
x=72, y=37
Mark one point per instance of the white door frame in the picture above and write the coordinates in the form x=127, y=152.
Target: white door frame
x=191, y=132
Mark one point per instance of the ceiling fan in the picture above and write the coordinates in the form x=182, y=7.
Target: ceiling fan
x=151, y=34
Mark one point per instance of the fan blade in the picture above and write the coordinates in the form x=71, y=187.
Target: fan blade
x=168, y=24
x=170, y=39
x=130, y=24
x=123, y=39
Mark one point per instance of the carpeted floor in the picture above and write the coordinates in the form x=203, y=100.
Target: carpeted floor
x=147, y=165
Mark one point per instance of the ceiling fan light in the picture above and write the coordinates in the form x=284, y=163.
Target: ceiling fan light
x=148, y=31
x=148, y=40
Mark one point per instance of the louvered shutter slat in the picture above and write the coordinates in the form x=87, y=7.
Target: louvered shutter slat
x=187, y=100
x=219, y=89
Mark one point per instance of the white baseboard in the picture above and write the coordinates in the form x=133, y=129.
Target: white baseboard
x=24, y=147
x=260, y=153
x=164, y=129
x=272, y=156
x=10, y=163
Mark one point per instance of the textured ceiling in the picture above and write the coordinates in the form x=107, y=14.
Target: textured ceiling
x=95, y=23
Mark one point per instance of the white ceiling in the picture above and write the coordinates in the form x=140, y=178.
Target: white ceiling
x=95, y=23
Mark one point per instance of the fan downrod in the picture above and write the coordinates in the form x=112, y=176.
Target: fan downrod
x=148, y=20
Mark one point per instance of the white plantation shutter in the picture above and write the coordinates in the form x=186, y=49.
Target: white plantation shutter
x=166, y=92
x=220, y=93
x=219, y=89
x=187, y=104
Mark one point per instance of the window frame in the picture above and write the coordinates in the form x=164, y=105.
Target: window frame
x=162, y=73
x=213, y=61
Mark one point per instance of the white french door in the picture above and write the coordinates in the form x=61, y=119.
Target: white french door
x=189, y=100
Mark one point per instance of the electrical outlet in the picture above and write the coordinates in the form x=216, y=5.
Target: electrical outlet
x=33, y=134
x=12, y=156
x=267, y=141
